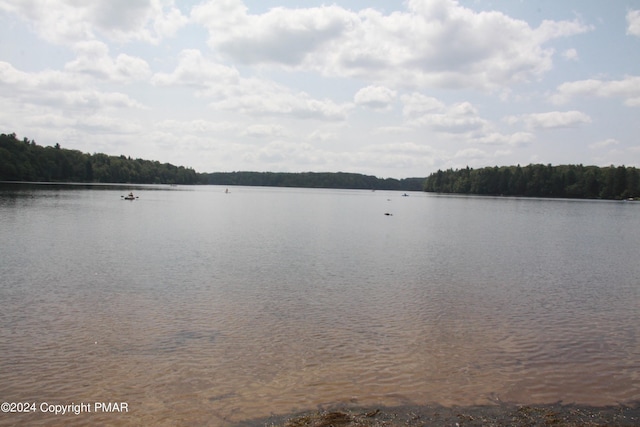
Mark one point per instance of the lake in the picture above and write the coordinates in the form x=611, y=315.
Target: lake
x=197, y=307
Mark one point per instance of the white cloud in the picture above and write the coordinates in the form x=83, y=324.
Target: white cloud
x=497, y=138
x=551, y=120
x=628, y=89
x=254, y=96
x=471, y=153
x=193, y=70
x=378, y=98
x=417, y=105
x=197, y=126
x=281, y=155
x=463, y=109
x=402, y=147
x=436, y=43
x=550, y=30
x=321, y=135
x=17, y=81
x=60, y=22
x=93, y=59
x=392, y=129
x=453, y=124
x=400, y=155
x=460, y=117
x=265, y=131
x=280, y=35
x=60, y=90
x=633, y=22
x=93, y=100
x=460, y=120
x=50, y=120
x=71, y=21
x=610, y=142
x=570, y=55
x=107, y=124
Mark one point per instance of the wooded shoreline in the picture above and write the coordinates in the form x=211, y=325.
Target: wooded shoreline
x=536, y=180
x=25, y=160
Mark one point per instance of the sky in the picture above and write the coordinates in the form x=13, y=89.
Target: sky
x=386, y=88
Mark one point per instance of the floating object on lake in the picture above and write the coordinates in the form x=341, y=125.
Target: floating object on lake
x=130, y=196
x=226, y=191
x=388, y=214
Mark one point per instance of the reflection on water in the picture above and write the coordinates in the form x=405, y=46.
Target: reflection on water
x=200, y=307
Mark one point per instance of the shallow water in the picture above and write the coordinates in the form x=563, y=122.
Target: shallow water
x=198, y=307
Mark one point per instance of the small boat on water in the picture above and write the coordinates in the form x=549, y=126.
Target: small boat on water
x=129, y=196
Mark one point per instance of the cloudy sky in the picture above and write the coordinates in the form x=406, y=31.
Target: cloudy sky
x=388, y=88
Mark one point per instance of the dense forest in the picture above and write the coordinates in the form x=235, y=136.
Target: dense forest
x=24, y=160
x=313, y=180
x=536, y=180
x=27, y=161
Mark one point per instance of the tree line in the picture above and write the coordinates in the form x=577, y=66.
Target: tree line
x=313, y=180
x=537, y=180
x=24, y=160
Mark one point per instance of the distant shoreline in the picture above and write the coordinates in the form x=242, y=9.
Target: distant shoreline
x=106, y=185
x=27, y=161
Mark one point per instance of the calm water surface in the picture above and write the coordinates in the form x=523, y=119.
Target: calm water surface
x=204, y=308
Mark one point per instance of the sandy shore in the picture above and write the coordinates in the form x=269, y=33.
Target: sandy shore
x=496, y=415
